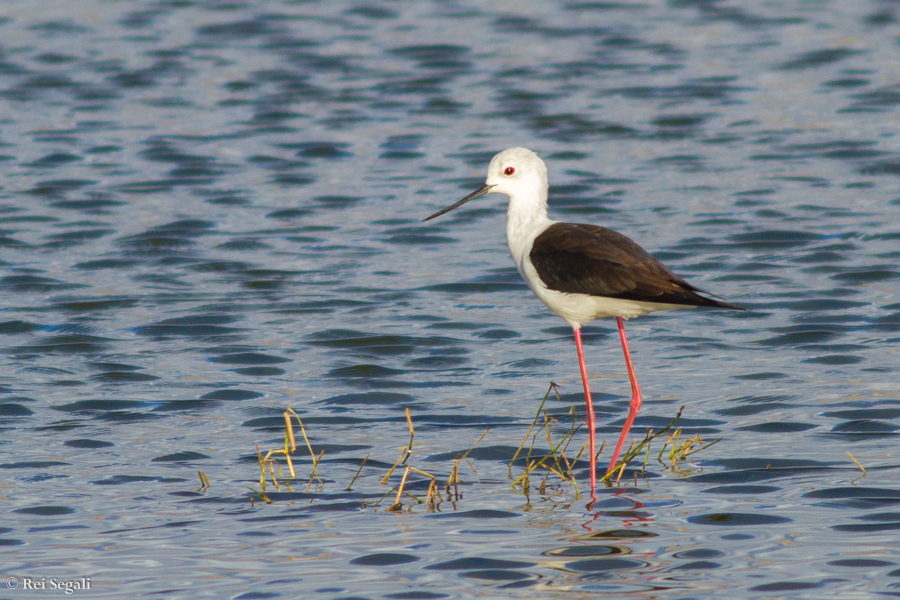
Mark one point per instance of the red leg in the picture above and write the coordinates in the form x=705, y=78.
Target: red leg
x=635, y=398
x=591, y=424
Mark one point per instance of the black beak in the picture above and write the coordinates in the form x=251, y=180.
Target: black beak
x=479, y=192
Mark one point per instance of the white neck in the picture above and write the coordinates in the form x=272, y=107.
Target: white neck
x=527, y=211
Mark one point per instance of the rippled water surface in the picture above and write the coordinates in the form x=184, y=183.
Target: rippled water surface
x=210, y=212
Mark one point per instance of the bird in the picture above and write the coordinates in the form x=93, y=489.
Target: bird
x=582, y=272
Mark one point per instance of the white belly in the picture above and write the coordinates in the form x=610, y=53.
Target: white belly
x=578, y=309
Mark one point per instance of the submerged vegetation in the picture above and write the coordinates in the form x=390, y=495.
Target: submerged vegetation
x=542, y=469
x=557, y=463
x=270, y=470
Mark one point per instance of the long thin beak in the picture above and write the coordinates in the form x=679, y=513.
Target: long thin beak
x=479, y=192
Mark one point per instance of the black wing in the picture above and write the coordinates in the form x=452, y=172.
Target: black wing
x=586, y=259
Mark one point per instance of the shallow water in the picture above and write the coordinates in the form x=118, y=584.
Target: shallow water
x=211, y=212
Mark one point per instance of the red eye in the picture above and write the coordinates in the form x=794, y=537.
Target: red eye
x=509, y=171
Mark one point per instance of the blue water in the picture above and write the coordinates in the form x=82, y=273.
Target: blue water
x=210, y=212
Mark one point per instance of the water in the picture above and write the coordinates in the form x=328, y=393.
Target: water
x=211, y=212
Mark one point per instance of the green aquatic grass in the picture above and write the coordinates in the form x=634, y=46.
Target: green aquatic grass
x=553, y=465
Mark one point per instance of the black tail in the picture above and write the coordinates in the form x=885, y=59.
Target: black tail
x=718, y=304
x=704, y=300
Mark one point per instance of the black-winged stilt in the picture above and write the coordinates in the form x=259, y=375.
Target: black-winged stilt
x=581, y=272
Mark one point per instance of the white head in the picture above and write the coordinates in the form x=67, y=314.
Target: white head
x=520, y=174
x=517, y=172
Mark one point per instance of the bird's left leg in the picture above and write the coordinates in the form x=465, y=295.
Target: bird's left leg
x=635, y=405
x=591, y=422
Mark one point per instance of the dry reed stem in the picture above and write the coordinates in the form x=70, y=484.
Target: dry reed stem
x=466, y=455
x=547, y=422
x=397, y=505
x=268, y=466
x=432, y=489
x=861, y=468
x=290, y=463
x=290, y=442
x=262, y=496
x=622, y=468
x=533, y=439
x=704, y=447
x=405, y=453
x=305, y=438
x=434, y=492
x=681, y=450
x=412, y=435
x=634, y=450
x=454, y=479
x=393, y=507
x=580, y=452
x=316, y=460
x=674, y=439
x=387, y=476
x=262, y=469
x=204, y=481
x=421, y=472
x=557, y=451
x=570, y=433
x=402, y=483
x=313, y=475
x=646, y=459
x=266, y=462
x=571, y=472
x=537, y=416
x=534, y=465
x=271, y=469
x=568, y=437
x=478, y=441
x=471, y=466
x=359, y=470
x=561, y=449
x=377, y=502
